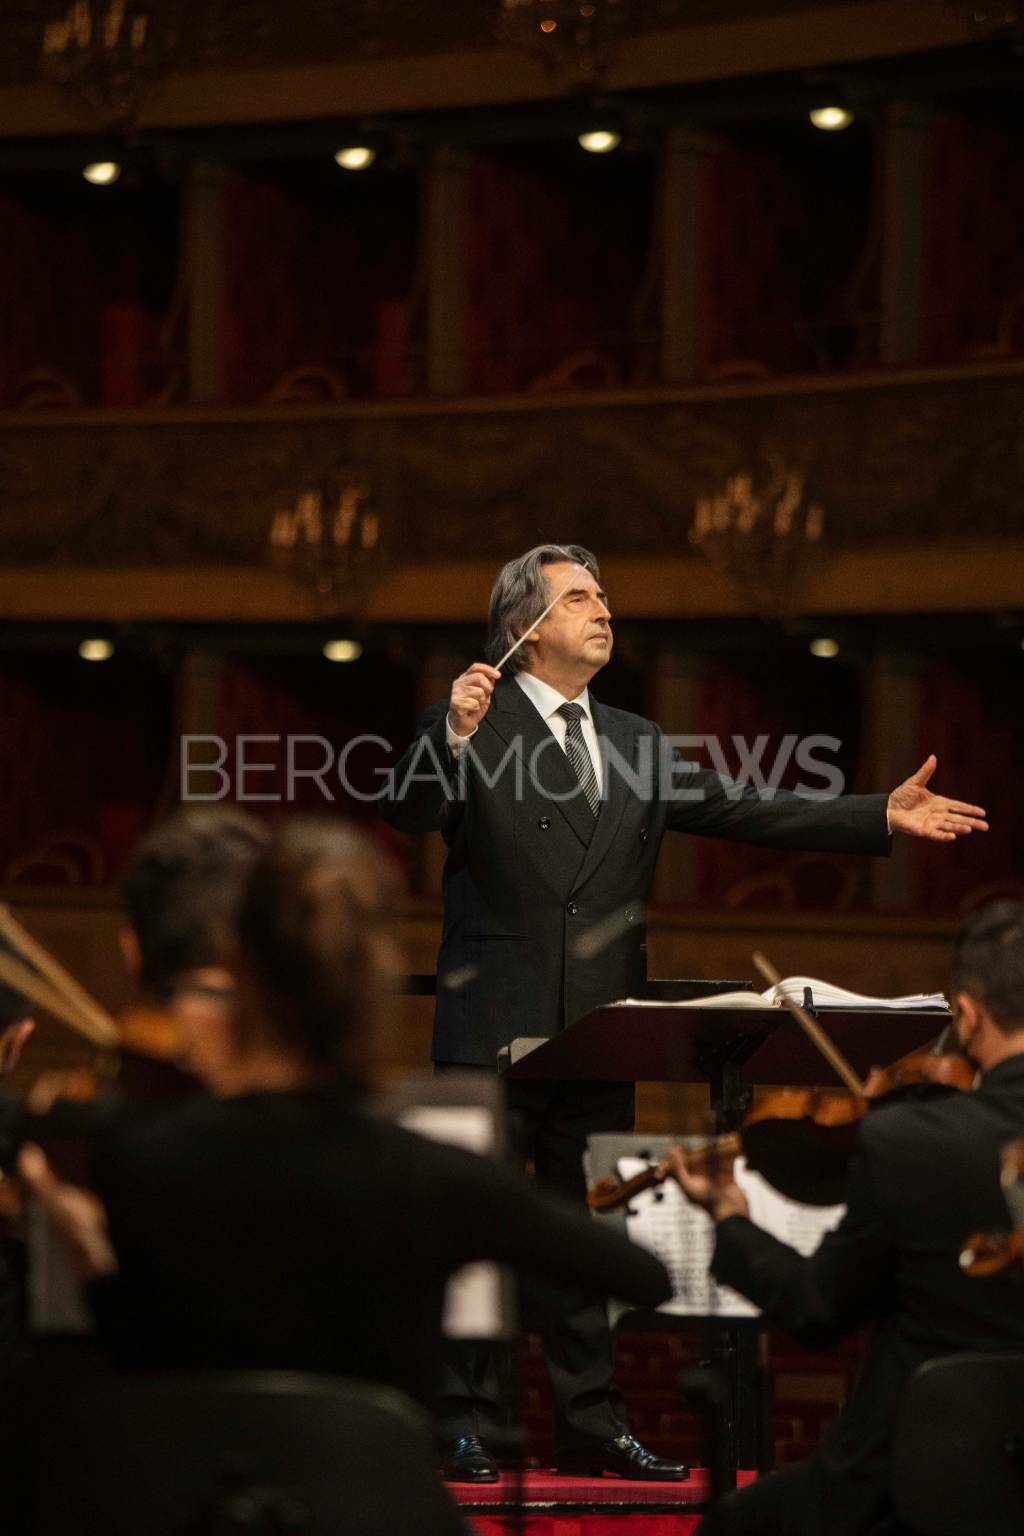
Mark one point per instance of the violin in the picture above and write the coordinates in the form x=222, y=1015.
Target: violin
x=611, y=1194
x=800, y=1139
x=985, y=1254
x=136, y=1061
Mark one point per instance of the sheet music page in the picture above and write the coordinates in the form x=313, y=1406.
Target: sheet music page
x=682, y=1237
x=472, y=1301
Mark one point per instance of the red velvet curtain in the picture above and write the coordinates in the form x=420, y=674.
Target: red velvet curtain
x=975, y=238
x=969, y=716
x=51, y=305
x=556, y=244
x=755, y=216
x=82, y=762
x=777, y=698
x=318, y=279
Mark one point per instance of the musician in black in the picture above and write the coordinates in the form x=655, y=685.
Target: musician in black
x=274, y=1221
x=925, y=1174
x=181, y=891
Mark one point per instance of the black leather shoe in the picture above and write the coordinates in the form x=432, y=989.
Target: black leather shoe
x=624, y=1456
x=465, y=1461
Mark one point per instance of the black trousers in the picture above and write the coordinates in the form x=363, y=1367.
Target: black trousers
x=550, y=1125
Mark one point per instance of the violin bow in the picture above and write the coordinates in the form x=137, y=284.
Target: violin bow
x=31, y=970
x=812, y=1029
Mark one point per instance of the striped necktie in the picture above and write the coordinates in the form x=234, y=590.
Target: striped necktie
x=577, y=752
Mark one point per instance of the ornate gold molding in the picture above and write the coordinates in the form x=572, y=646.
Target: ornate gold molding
x=922, y=578
x=765, y=37
x=922, y=462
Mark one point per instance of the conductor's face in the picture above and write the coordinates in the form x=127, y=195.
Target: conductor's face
x=575, y=640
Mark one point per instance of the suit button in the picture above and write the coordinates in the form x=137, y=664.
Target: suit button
x=544, y=823
x=643, y=834
x=572, y=908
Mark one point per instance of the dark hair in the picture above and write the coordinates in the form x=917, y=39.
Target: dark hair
x=520, y=595
x=988, y=962
x=182, y=889
x=311, y=934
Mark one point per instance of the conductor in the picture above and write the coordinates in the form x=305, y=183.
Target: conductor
x=553, y=807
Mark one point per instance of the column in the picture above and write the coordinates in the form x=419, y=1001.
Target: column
x=906, y=150
x=203, y=238
x=196, y=712
x=445, y=240
x=682, y=238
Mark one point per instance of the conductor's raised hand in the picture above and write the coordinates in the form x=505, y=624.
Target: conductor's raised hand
x=471, y=697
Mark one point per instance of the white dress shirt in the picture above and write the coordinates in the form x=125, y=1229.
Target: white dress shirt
x=547, y=701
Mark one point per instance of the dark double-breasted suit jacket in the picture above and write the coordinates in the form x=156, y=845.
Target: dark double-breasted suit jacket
x=544, y=904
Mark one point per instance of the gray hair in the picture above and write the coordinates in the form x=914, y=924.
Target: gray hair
x=520, y=595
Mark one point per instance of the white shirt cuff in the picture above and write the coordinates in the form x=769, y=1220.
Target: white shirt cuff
x=456, y=743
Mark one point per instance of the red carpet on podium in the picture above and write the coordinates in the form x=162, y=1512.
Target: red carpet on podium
x=809, y=1389
x=586, y=1506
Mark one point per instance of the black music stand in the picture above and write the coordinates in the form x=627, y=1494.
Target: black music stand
x=645, y=1040
x=737, y=1418
x=729, y=1048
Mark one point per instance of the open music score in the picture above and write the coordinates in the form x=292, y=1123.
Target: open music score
x=682, y=1236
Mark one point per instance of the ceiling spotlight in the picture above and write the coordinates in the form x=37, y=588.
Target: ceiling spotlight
x=599, y=141
x=831, y=119
x=356, y=157
x=343, y=650
x=102, y=173
x=96, y=650
x=824, y=647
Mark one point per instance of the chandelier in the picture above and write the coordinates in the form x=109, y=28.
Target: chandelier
x=110, y=54
x=329, y=541
x=761, y=532
x=575, y=38
x=993, y=16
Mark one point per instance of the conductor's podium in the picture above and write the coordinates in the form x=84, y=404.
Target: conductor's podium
x=603, y=1506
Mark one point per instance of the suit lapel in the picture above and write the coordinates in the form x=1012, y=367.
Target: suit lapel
x=615, y=791
x=549, y=773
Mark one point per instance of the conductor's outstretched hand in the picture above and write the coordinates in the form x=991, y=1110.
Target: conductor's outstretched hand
x=917, y=812
x=471, y=697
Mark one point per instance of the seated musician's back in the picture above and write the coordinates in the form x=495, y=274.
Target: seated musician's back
x=925, y=1175
x=275, y=1222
